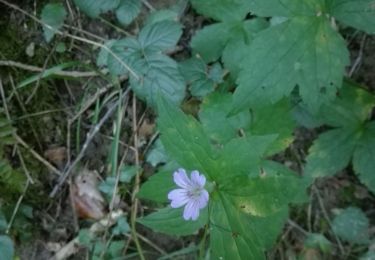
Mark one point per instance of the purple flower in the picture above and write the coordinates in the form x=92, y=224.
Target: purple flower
x=192, y=193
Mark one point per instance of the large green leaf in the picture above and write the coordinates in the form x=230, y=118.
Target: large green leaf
x=352, y=225
x=263, y=195
x=222, y=10
x=128, y=10
x=6, y=248
x=185, y=140
x=331, y=152
x=273, y=119
x=159, y=75
x=242, y=156
x=53, y=15
x=232, y=235
x=220, y=127
x=304, y=51
x=210, y=41
x=287, y=8
x=95, y=7
x=351, y=107
x=160, y=184
x=359, y=14
x=170, y=221
x=160, y=36
x=363, y=158
x=202, y=79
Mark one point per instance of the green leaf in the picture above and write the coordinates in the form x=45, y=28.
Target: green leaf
x=318, y=241
x=160, y=36
x=6, y=248
x=162, y=15
x=242, y=156
x=331, y=152
x=220, y=127
x=156, y=188
x=128, y=10
x=264, y=195
x=287, y=8
x=352, y=225
x=160, y=75
x=304, y=51
x=122, y=227
x=128, y=50
x=352, y=106
x=184, y=139
x=232, y=236
x=363, y=158
x=209, y=42
x=157, y=154
x=202, y=80
x=370, y=255
x=95, y=7
x=53, y=15
x=170, y=221
x=359, y=14
x=127, y=173
x=274, y=119
x=222, y=10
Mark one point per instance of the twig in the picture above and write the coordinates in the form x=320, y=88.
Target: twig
x=148, y=5
x=358, y=60
x=133, y=216
x=131, y=71
x=296, y=226
x=36, y=155
x=28, y=175
x=73, y=74
x=325, y=214
x=17, y=206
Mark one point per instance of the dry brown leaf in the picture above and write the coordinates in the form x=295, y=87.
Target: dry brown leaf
x=87, y=199
x=56, y=156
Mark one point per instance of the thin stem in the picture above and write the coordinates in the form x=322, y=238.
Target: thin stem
x=136, y=183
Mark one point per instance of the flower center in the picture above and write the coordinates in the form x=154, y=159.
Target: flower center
x=194, y=193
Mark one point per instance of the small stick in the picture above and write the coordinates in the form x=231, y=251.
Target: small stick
x=73, y=74
x=36, y=155
x=133, y=216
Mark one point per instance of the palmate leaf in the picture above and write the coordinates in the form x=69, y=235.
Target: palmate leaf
x=95, y=7
x=211, y=42
x=359, y=14
x=222, y=10
x=248, y=206
x=304, y=51
x=353, y=139
x=155, y=72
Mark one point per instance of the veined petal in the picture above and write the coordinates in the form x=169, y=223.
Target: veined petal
x=198, y=179
x=181, y=179
x=191, y=210
x=202, y=200
x=178, y=198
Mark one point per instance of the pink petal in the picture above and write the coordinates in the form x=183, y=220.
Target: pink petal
x=178, y=198
x=203, y=199
x=191, y=210
x=181, y=179
x=198, y=179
